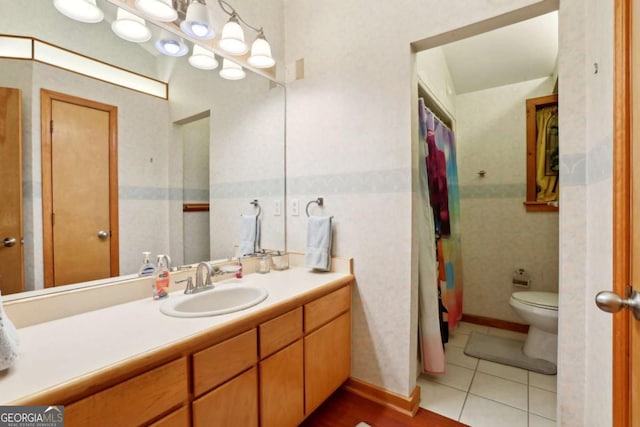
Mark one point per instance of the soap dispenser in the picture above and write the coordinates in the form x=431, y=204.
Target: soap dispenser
x=147, y=268
x=160, y=283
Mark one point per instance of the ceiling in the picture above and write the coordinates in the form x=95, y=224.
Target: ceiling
x=524, y=51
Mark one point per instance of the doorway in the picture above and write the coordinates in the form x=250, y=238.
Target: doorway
x=11, y=230
x=79, y=189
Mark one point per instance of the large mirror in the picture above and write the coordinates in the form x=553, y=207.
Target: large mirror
x=213, y=141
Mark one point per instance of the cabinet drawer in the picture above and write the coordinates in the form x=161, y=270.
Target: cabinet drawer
x=279, y=332
x=320, y=311
x=234, y=403
x=218, y=363
x=135, y=401
x=178, y=418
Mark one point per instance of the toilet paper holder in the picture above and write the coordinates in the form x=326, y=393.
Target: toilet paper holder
x=521, y=278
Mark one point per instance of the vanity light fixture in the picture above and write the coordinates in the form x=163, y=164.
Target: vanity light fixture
x=80, y=10
x=261, y=52
x=170, y=45
x=160, y=10
x=130, y=27
x=231, y=70
x=196, y=23
x=232, y=39
x=203, y=59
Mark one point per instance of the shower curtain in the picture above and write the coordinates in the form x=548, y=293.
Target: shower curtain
x=440, y=197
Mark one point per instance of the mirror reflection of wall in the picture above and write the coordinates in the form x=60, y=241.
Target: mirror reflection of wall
x=481, y=84
x=150, y=162
x=195, y=181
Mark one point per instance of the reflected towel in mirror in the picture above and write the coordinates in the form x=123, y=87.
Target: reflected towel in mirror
x=8, y=341
x=318, y=253
x=249, y=235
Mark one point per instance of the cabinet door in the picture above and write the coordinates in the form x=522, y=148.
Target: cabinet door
x=282, y=388
x=234, y=403
x=327, y=360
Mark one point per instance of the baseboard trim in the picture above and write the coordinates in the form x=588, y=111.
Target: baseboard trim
x=495, y=323
x=406, y=405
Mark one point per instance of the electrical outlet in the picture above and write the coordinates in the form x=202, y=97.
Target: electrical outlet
x=295, y=207
x=276, y=207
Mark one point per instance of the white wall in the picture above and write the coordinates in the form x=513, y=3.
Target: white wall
x=498, y=234
x=586, y=121
x=349, y=139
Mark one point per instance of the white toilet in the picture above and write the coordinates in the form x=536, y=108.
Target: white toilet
x=540, y=311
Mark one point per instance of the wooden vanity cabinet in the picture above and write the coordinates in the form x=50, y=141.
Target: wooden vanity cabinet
x=273, y=375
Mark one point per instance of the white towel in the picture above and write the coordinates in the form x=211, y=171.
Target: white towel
x=249, y=235
x=318, y=254
x=8, y=341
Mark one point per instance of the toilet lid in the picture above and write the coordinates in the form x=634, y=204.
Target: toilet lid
x=548, y=300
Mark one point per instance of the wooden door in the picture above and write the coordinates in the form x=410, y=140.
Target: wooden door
x=79, y=189
x=11, y=249
x=626, y=212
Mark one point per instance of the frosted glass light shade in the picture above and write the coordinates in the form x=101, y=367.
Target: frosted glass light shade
x=80, y=10
x=171, y=46
x=160, y=10
x=130, y=27
x=203, y=59
x=232, y=39
x=196, y=23
x=261, y=54
x=231, y=70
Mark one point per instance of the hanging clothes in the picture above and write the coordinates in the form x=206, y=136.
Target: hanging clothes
x=430, y=333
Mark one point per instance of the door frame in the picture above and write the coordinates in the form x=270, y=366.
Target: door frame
x=46, y=98
x=622, y=226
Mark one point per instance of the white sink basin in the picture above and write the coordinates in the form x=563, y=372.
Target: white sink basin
x=222, y=299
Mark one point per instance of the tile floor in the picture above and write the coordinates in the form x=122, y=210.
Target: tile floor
x=482, y=393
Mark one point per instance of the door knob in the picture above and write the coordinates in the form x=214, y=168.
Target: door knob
x=103, y=234
x=8, y=242
x=612, y=302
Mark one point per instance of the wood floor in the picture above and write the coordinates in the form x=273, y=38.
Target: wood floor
x=345, y=409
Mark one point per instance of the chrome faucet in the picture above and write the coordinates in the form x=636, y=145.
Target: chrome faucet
x=207, y=281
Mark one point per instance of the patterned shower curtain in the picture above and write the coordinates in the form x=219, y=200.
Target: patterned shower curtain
x=443, y=193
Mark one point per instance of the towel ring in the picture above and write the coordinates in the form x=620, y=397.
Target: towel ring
x=319, y=201
x=255, y=203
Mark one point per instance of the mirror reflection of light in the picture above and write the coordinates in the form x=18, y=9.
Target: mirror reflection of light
x=130, y=27
x=203, y=59
x=231, y=70
x=160, y=10
x=171, y=47
x=80, y=10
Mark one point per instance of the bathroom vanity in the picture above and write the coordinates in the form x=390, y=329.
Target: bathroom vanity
x=128, y=364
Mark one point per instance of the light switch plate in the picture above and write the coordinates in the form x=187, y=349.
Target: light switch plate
x=295, y=207
x=276, y=207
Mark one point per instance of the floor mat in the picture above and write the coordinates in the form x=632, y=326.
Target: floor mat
x=506, y=351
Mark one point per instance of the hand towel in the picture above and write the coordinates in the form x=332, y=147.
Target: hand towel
x=249, y=235
x=318, y=253
x=8, y=341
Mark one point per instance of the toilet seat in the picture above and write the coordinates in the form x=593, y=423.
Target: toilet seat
x=543, y=300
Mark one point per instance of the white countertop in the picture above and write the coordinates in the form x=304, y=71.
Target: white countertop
x=62, y=350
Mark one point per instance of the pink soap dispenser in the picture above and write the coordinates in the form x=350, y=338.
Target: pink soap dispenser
x=239, y=272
